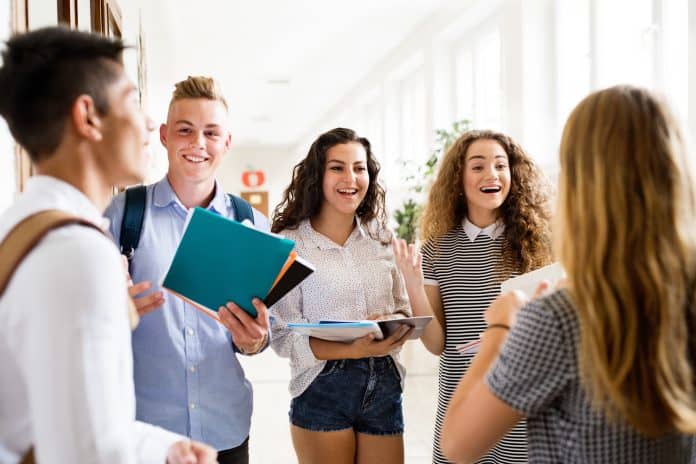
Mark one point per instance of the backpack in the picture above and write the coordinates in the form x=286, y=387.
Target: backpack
x=134, y=213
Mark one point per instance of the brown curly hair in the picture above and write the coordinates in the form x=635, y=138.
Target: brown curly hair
x=525, y=212
x=304, y=196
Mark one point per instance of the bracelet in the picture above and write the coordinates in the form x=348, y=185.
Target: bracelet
x=497, y=326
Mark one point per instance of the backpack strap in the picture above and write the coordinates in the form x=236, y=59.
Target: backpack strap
x=132, y=223
x=27, y=234
x=242, y=208
x=21, y=240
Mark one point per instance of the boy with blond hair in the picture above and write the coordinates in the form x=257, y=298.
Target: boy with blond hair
x=187, y=375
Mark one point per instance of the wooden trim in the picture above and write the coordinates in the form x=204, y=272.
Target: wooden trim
x=67, y=13
x=107, y=18
x=23, y=166
x=20, y=15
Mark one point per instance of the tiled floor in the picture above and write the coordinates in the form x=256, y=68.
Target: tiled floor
x=270, y=436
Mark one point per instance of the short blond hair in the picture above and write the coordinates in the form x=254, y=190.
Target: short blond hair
x=198, y=87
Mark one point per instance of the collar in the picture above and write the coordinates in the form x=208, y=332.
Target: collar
x=163, y=195
x=325, y=243
x=493, y=231
x=62, y=195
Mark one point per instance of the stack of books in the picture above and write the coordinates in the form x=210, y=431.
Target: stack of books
x=220, y=260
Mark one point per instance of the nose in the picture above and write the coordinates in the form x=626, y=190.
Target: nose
x=197, y=140
x=491, y=172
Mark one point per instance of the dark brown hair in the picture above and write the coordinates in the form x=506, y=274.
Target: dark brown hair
x=304, y=196
x=43, y=72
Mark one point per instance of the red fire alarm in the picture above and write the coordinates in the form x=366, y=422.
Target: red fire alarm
x=253, y=178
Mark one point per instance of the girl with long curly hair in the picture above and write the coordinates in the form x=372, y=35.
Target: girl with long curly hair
x=604, y=369
x=486, y=220
x=346, y=397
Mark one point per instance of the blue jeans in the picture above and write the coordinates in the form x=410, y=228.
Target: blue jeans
x=359, y=394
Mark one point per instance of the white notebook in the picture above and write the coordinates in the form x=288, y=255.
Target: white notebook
x=529, y=282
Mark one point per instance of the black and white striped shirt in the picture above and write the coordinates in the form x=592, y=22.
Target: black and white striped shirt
x=466, y=265
x=537, y=374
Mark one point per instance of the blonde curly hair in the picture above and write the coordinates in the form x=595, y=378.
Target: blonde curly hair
x=525, y=212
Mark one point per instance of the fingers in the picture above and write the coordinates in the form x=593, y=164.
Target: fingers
x=139, y=288
x=247, y=333
x=204, y=453
x=543, y=287
x=181, y=452
x=148, y=303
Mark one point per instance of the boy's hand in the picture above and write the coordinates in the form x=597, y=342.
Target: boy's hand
x=146, y=303
x=191, y=452
x=248, y=334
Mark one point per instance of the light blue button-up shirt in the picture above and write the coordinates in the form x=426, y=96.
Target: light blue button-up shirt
x=187, y=376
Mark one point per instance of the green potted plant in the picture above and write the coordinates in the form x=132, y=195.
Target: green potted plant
x=420, y=177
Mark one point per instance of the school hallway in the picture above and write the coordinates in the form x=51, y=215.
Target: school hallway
x=270, y=441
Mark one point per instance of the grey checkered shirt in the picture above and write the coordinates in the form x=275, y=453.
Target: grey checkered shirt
x=537, y=374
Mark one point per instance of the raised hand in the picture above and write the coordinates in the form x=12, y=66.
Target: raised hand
x=409, y=260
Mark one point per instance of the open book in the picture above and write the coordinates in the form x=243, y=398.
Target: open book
x=526, y=283
x=346, y=331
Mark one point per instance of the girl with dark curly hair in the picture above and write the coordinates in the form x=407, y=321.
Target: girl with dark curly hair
x=486, y=219
x=346, y=397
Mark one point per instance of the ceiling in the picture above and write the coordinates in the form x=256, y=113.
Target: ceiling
x=281, y=63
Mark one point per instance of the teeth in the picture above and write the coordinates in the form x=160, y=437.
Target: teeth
x=195, y=159
x=351, y=191
x=490, y=189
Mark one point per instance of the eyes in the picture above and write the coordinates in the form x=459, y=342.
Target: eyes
x=339, y=168
x=480, y=167
x=209, y=133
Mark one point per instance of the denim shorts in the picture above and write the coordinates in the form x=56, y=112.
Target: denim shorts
x=359, y=394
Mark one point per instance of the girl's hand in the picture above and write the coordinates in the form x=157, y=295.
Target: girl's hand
x=504, y=309
x=409, y=260
x=368, y=347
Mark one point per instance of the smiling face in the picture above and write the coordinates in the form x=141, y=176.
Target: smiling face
x=346, y=179
x=486, y=180
x=197, y=138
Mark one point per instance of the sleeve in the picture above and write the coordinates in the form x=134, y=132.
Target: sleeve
x=429, y=276
x=285, y=342
x=534, y=365
x=78, y=360
x=261, y=221
x=401, y=302
x=114, y=213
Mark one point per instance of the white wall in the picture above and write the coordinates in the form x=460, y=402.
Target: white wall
x=275, y=162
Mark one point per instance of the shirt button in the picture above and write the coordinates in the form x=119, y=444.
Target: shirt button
x=192, y=405
x=189, y=331
x=192, y=368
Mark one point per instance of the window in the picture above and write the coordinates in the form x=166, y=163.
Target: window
x=478, y=79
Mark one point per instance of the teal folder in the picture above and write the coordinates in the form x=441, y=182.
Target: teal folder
x=220, y=260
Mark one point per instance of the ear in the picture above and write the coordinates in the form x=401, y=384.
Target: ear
x=85, y=118
x=228, y=141
x=163, y=135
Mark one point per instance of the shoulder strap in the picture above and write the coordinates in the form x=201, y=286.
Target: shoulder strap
x=132, y=222
x=242, y=208
x=27, y=234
